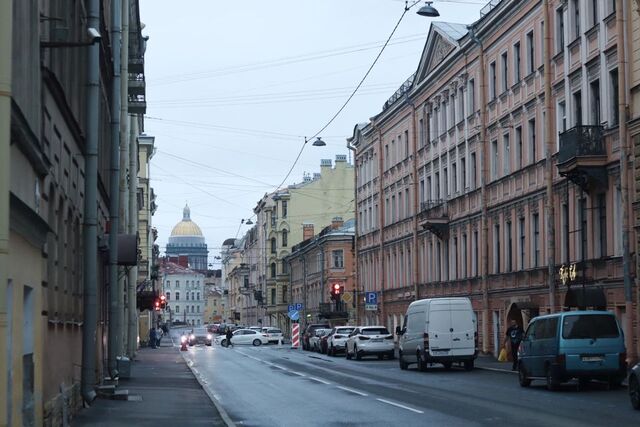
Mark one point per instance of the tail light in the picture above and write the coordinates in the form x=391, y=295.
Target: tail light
x=561, y=360
x=426, y=341
x=338, y=336
x=363, y=338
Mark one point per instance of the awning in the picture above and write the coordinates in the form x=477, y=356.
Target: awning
x=584, y=297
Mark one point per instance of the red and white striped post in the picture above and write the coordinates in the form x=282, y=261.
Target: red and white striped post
x=295, y=335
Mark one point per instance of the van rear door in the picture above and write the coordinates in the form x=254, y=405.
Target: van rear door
x=462, y=329
x=439, y=328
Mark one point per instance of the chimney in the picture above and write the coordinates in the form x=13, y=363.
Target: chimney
x=341, y=160
x=336, y=223
x=325, y=163
x=307, y=231
x=317, y=176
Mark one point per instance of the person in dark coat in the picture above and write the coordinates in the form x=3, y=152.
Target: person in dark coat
x=153, y=337
x=228, y=336
x=514, y=337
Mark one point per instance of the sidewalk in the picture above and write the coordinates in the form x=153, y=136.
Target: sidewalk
x=490, y=363
x=162, y=391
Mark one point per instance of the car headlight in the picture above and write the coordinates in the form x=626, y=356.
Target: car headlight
x=193, y=337
x=209, y=336
x=183, y=339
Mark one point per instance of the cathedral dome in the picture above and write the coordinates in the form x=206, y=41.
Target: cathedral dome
x=186, y=227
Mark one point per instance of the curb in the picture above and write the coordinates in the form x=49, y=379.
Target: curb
x=223, y=413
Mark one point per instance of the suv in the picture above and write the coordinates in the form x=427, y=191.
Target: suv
x=338, y=339
x=310, y=331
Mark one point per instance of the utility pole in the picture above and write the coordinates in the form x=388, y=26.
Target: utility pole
x=90, y=225
x=6, y=20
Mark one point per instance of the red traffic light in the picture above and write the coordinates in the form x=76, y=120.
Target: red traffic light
x=156, y=305
x=336, y=288
x=162, y=298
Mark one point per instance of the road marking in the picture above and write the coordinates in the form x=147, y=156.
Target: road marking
x=319, y=380
x=400, y=406
x=300, y=374
x=352, y=391
x=279, y=367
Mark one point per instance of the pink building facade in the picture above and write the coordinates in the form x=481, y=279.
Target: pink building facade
x=479, y=179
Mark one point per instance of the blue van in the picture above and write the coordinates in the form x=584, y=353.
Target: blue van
x=574, y=344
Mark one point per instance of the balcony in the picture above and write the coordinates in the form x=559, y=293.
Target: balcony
x=434, y=217
x=583, y=157
x=328, y=310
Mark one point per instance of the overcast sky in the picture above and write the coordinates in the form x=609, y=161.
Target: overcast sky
x=234, y=87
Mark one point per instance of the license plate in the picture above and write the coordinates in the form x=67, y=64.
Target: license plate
x=376, y=340
x=439, y=352
x=592, y=358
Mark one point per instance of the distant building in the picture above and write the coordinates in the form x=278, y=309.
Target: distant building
x=184, y=290
x=187, y=240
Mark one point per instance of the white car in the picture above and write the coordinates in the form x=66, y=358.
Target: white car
x=243, y=336
x=314, y=341
x=273, y=334
x=370, y=340
x=338, y=339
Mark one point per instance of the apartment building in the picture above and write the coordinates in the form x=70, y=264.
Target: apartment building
x=495, y=171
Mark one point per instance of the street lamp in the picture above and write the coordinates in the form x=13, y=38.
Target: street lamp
x=318, y=143
x=428, y=10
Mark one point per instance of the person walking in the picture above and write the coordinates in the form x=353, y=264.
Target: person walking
x=228, y=336
x=159, y=335
x=153, y=337
x=514, y=338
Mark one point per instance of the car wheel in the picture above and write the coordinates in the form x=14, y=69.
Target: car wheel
x=257, y=342
x=223, y=343
x=522, y=377
x=634, y=392
x=447, y=365
x=552, y=383
x=357, y=353
x=468, y=365
x=403, y=365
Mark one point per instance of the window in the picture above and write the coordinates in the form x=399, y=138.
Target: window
x=273, y=270
x=452, y=104
x=285, y=238
x=530, y=53
x=472, y=172
x=496, y=248
x=338, y=258
x=198, y=296
x=532, y=140
x=177, y=309
x=463, y=173
x=407, y=204
x=516, y=62
x=559, y=30
x=386, y=156
x=565, y=232
x=193, y=296
x=393, y=209
x=464, y=256
x=521, y=242
x=577, y=108
x=615, y=100
x=576, y=18
x=454, y=171
x=583, y=234
x=422, y=190
x=445, y=174
x=562, y=118
x=474, y=259
x=472, y=96
x=177, y=284
x=492, y=81
x=506, y=160
x=177, y=296
x=421, y=127
x=455, y=259
x=494, y=159
x=274, y=218
x=273, y=245
x=519, y=147
x=285, y=209
x=594, y=88
x=601, y=222
x=168, y=296
x=168, y=283
x=406, y=144
x=461, y=103
x=437, y=185
x=401, y=212
x=509, y=242
x=505, y=72
x=536, y=240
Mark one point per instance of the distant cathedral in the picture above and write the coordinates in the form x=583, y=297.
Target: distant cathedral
x=186, y=239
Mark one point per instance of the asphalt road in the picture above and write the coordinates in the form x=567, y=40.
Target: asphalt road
x=278, y=386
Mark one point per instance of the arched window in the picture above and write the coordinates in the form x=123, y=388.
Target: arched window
x=177, y=297
x=273, y=269
x=168, y=283
x=168, y=296
x=198, y=294
x=285, y=238
x=273, y=245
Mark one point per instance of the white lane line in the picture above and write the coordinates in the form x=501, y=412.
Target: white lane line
x=400, y=406
x=300, y=374
x=279, y=367
x=319, y=380
x=352, y=391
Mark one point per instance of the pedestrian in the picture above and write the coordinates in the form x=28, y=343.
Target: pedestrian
x=153, y=337
x=159, y=335
x=228, y=336
x=514, y=337
x=165, y=329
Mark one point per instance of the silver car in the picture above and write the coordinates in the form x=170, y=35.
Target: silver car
x=338, y=339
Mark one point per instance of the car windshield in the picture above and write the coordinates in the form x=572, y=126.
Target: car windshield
x=274, y=331
x=200, y=331
x=375, y=331
x=344, y=330
x=589, y=326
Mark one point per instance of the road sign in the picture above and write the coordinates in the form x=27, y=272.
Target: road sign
x=294, y=314
x=298, y=306
x=371, y=307
x=371, y=298
x=295, y=335
x=291, y=307
x=347, y=297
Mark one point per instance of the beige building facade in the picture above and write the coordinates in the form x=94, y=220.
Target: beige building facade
x=496, y=168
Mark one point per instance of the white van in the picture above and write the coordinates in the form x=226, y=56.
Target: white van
x=438, y=330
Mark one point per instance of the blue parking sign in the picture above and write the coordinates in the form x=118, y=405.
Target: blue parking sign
x=371, y=298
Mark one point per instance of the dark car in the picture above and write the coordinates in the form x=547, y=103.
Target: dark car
x=200, y=336
x=309, y=331
x=634, y=386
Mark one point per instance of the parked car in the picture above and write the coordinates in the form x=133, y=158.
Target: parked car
x=438, y=330
x=243, y=336
x=256, y=328
x=200, y=336
x=323, y=342
x=273, y=334
x=370, y=340
x=634, y=386
x=574, y=344
x=337, y=339
x=314, y=341
x=309, y=331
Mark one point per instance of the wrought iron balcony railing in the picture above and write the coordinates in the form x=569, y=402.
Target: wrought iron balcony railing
x=581, y=141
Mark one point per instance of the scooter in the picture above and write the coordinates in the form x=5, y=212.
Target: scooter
x=184, y=341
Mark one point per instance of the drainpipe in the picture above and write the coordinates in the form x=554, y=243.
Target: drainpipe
x=6, y=20
x=90, y=225
x=416, y=290
x=549, y=148
x=483, y=194
x=115, y=291
x=624, y=177
x=382, y=218
x=133, y=219
x=354, y=275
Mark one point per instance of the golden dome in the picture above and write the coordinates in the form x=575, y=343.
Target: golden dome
x=186, y=227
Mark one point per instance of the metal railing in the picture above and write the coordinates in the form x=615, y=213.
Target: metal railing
x=431, y=204
x=581, y=141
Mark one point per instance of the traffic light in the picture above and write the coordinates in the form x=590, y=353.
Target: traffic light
x=336, y=290
x=156, y=304
x=163, y=302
